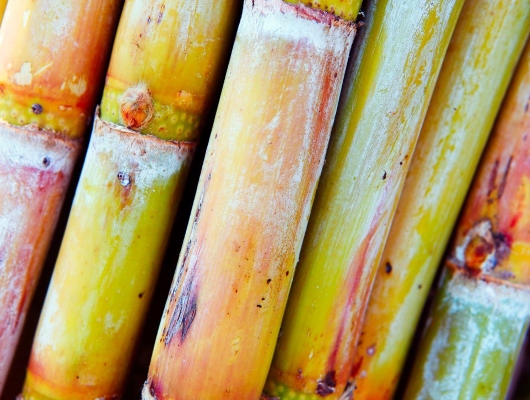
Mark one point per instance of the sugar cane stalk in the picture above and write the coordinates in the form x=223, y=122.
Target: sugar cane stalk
x=472, y=83
x=387, y=91
x=3, y=4
x=167, y=60
x=264, y=158
x=481, y=314
x=52, y=60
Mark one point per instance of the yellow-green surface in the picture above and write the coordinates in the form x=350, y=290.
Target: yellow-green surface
x=52, y=59
x=472, y=341
x=385, y=98
x=484, y=50
x=171, y=55
x=345, y=9
x=178, y=50
x=480, y=318
x=107, y=266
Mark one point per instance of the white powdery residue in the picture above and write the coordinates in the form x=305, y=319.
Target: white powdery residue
x=25, y=18
x=24, y=77
x=112, y=323
x=282, y=19
x=42, y=69
x=511, y=302
x=161, y=161
x=64, y=19
x=132, y=159
x=47, y=332
x=37, y=149
x=77, y=86
x=431, y=365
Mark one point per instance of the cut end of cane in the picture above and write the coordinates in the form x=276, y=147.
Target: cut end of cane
x=136, y=107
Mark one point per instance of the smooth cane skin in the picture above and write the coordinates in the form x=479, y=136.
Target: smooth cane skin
x=386, y=96
x=472, y=83
x=52, y=56
x=35, y=170
x=169, y=55
x=264, y=158
x=3, y=4
x=107, y=267
x=179, y=51
x=481, y=314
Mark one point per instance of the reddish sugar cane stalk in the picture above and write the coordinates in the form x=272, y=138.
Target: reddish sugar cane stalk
x=166, y=63
x=52, y=55
x=481, y=315
x=468, y=94
x=264, y=158
x=388, y=89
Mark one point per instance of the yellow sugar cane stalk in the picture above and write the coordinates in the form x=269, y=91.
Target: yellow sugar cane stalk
x=52, y=60
x=3, y=4
x=264, y=158
x=482, y=55
x=166, y=63
x=481, y=314
x=388, y=88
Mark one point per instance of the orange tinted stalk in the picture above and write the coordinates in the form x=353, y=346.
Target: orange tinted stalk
x=473, y=81
x=264, y=158
x=481, y=314
x=52, y=60
x=168, y=59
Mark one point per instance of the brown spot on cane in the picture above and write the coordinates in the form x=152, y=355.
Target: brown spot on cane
x=477, y=251
x=502, y=185
x=493, y=177
x=482, y=248
x=136, y=108
x=326, y=386
x=184, y=313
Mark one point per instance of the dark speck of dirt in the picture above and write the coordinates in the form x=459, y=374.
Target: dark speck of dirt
x=141, y=295
x=384, y=175
x=46, y=161
x=287, y=273
x=259, y=306
x=269, y=281
x=326, y=386
x=124, y=178
x=36, y=108
x=388, y=268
